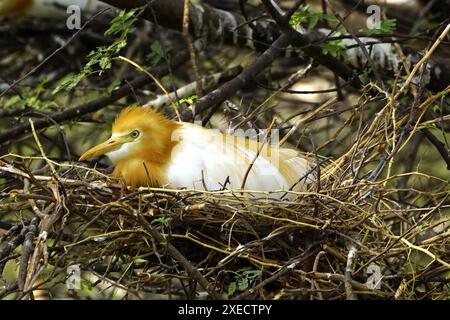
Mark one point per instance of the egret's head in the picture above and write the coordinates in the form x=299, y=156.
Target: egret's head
x=139, y=133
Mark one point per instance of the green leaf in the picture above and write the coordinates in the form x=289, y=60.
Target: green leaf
x=436, y=108
x=163, y=220
x=105, y=63
x=41, y=86
x=242, y=284
x=313, y=21
x=386, y=26
x=231, y=288
x=112, y=86
x=312, y=18
x=156, y=54
x=428, y=126
x=69, y=83
x=189, y=100
x=300, y=16
x=329, y=18
x=251, y=274
x=103, y=56
x=123, y=22
x=335, y=48
x=85, y=285
x=12, y=102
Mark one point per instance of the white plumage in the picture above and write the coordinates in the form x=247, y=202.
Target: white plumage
x=203, y=158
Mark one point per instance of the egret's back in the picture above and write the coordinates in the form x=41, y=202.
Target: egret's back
x=205, y=158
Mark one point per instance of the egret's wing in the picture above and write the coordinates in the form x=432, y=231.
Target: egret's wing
x=207, y=158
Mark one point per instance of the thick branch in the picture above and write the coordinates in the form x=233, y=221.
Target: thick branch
x=245, y=77
x=301, y=40
x=205, y=20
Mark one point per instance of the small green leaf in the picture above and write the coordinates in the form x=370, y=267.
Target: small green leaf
x=156, y=54
x=103, y=56
x=436, y=108
x=123, y=22
x=12, y=102
x=105, y=63
x=313, y=21
x=85, y=285
x=335, y=48
x=312, y=18
x=251, y=274
x=165, y=221
x=189, y=100
x=300, y=16
x=242, y=284
x=231, y=288
x=69, y=83
x=428, y=126
x=387, y=26
x=112, y=86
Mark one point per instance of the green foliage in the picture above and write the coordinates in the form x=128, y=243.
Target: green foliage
x=123, y=23
x=303, y=15
x=334, y=47
x=156, y=54
x=365, y=75
x=112, y=86
x=386, y=27
x=12, y=102
x=428, y=126
x=85, y=285
x=243, y=277
x=436, y=108
x=189, y=100
x=165, y=221
x=29, y=98
x=101, y=58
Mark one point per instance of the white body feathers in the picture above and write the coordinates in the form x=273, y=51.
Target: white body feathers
x=205, y=158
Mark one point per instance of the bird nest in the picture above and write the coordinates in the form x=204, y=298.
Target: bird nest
x=339, y=239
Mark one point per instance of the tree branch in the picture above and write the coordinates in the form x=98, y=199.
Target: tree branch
x=298, y=39
x=219, y=95
x=439, y=145
x=98, y=104
x=177, y=255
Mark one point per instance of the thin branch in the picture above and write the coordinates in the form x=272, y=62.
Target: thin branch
x=439, y=145
x=98, y=104
x=348, y=273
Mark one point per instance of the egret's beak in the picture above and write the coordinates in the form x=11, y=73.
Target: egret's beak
x=112, y=144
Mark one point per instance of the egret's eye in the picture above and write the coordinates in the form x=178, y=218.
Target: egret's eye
x=134, y=134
